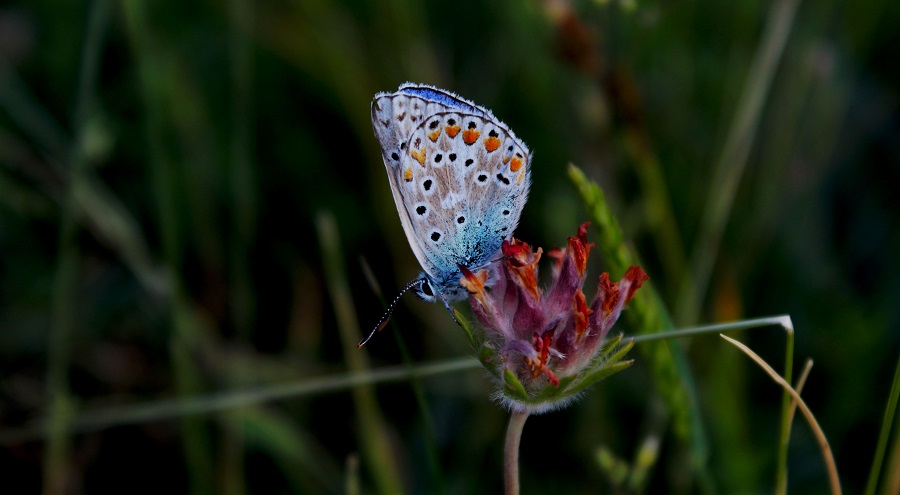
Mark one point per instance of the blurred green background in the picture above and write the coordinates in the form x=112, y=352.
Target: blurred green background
x=191, y=196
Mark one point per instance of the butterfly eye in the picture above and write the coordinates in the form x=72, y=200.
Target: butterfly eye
x=425, y=289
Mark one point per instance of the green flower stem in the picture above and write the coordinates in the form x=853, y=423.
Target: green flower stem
x=511, y=452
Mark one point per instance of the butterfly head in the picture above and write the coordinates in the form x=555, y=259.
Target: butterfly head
x=425, y=290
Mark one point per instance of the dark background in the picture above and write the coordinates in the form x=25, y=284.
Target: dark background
x=170, y=171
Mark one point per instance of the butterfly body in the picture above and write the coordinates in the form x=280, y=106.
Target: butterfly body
x=459, y=178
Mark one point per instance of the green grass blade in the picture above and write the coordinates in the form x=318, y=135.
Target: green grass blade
x=732, y=162
x=648, y=315
x=373, y=429
x=886, y=426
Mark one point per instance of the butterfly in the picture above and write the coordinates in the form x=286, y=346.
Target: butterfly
x=459, y=177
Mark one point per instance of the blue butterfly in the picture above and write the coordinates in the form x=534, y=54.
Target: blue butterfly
x=460, y=179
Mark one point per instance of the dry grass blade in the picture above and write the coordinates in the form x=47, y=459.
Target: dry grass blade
x=833, y=479
x=799, y=387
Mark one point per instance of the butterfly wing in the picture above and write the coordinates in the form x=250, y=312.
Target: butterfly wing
x=458, y=175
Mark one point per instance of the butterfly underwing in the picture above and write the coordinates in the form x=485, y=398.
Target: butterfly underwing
x=459, y=178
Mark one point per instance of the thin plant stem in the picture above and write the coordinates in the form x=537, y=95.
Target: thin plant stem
x=373, y=429
x=101, y=418
x=732, y=162
x=787, y=419
x=242, y=184
x=511, y=451
x=415, y=383
x=649, y=316
x=831, y=467
x=787, y=413
x=60, y=401
x=783, y=321
x=886, y=423
x=155, y=71
x=801, y=382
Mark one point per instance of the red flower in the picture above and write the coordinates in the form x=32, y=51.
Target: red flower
x=545, y=339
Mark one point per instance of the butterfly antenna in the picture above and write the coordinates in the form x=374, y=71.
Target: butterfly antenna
x=387, y=314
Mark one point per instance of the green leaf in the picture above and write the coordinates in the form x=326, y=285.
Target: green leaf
x=513, y=386
x=464, y=324
x=599, y=374
x=609, y=346
x=620, y=353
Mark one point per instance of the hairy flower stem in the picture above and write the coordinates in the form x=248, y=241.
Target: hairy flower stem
x=511, y=451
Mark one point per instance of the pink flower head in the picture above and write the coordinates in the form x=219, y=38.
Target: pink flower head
x=545, y=346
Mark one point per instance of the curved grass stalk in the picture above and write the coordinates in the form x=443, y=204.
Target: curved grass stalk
x=833, y=479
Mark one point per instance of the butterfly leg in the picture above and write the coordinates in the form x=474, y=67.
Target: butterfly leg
x=449, y=310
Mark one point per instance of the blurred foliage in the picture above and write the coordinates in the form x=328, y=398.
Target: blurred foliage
x=171, y=172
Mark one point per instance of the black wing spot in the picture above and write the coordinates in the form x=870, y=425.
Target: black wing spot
x=427, y=184
x=437, y=158
x=451, y=121
x=510, y=148
x=421, y=210
x=418, y=143
x=506, y=212
x=469, y=162
x=501, y=178
x=395, y=156
x=435, y=236
x=403, y=145
x=461, y=220
x=433, y=125
x=482, y=177
x=452, y=157
x=493, y=133
x=472, y=125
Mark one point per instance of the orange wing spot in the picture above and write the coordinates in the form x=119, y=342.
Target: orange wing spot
x=419, y=155
x=516, y=164
x=491, y=144
x=434, y=135
x=407, y=175
x=521, y=176
x=452, y=130
x=506, y=159
x=470, y=136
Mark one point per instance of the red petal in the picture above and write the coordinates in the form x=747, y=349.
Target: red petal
x=580, y=248
x=521, y=264
x=608, y=293
x=637, y=277
x=539, y=365
x=581, y=314
x=474, y=283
